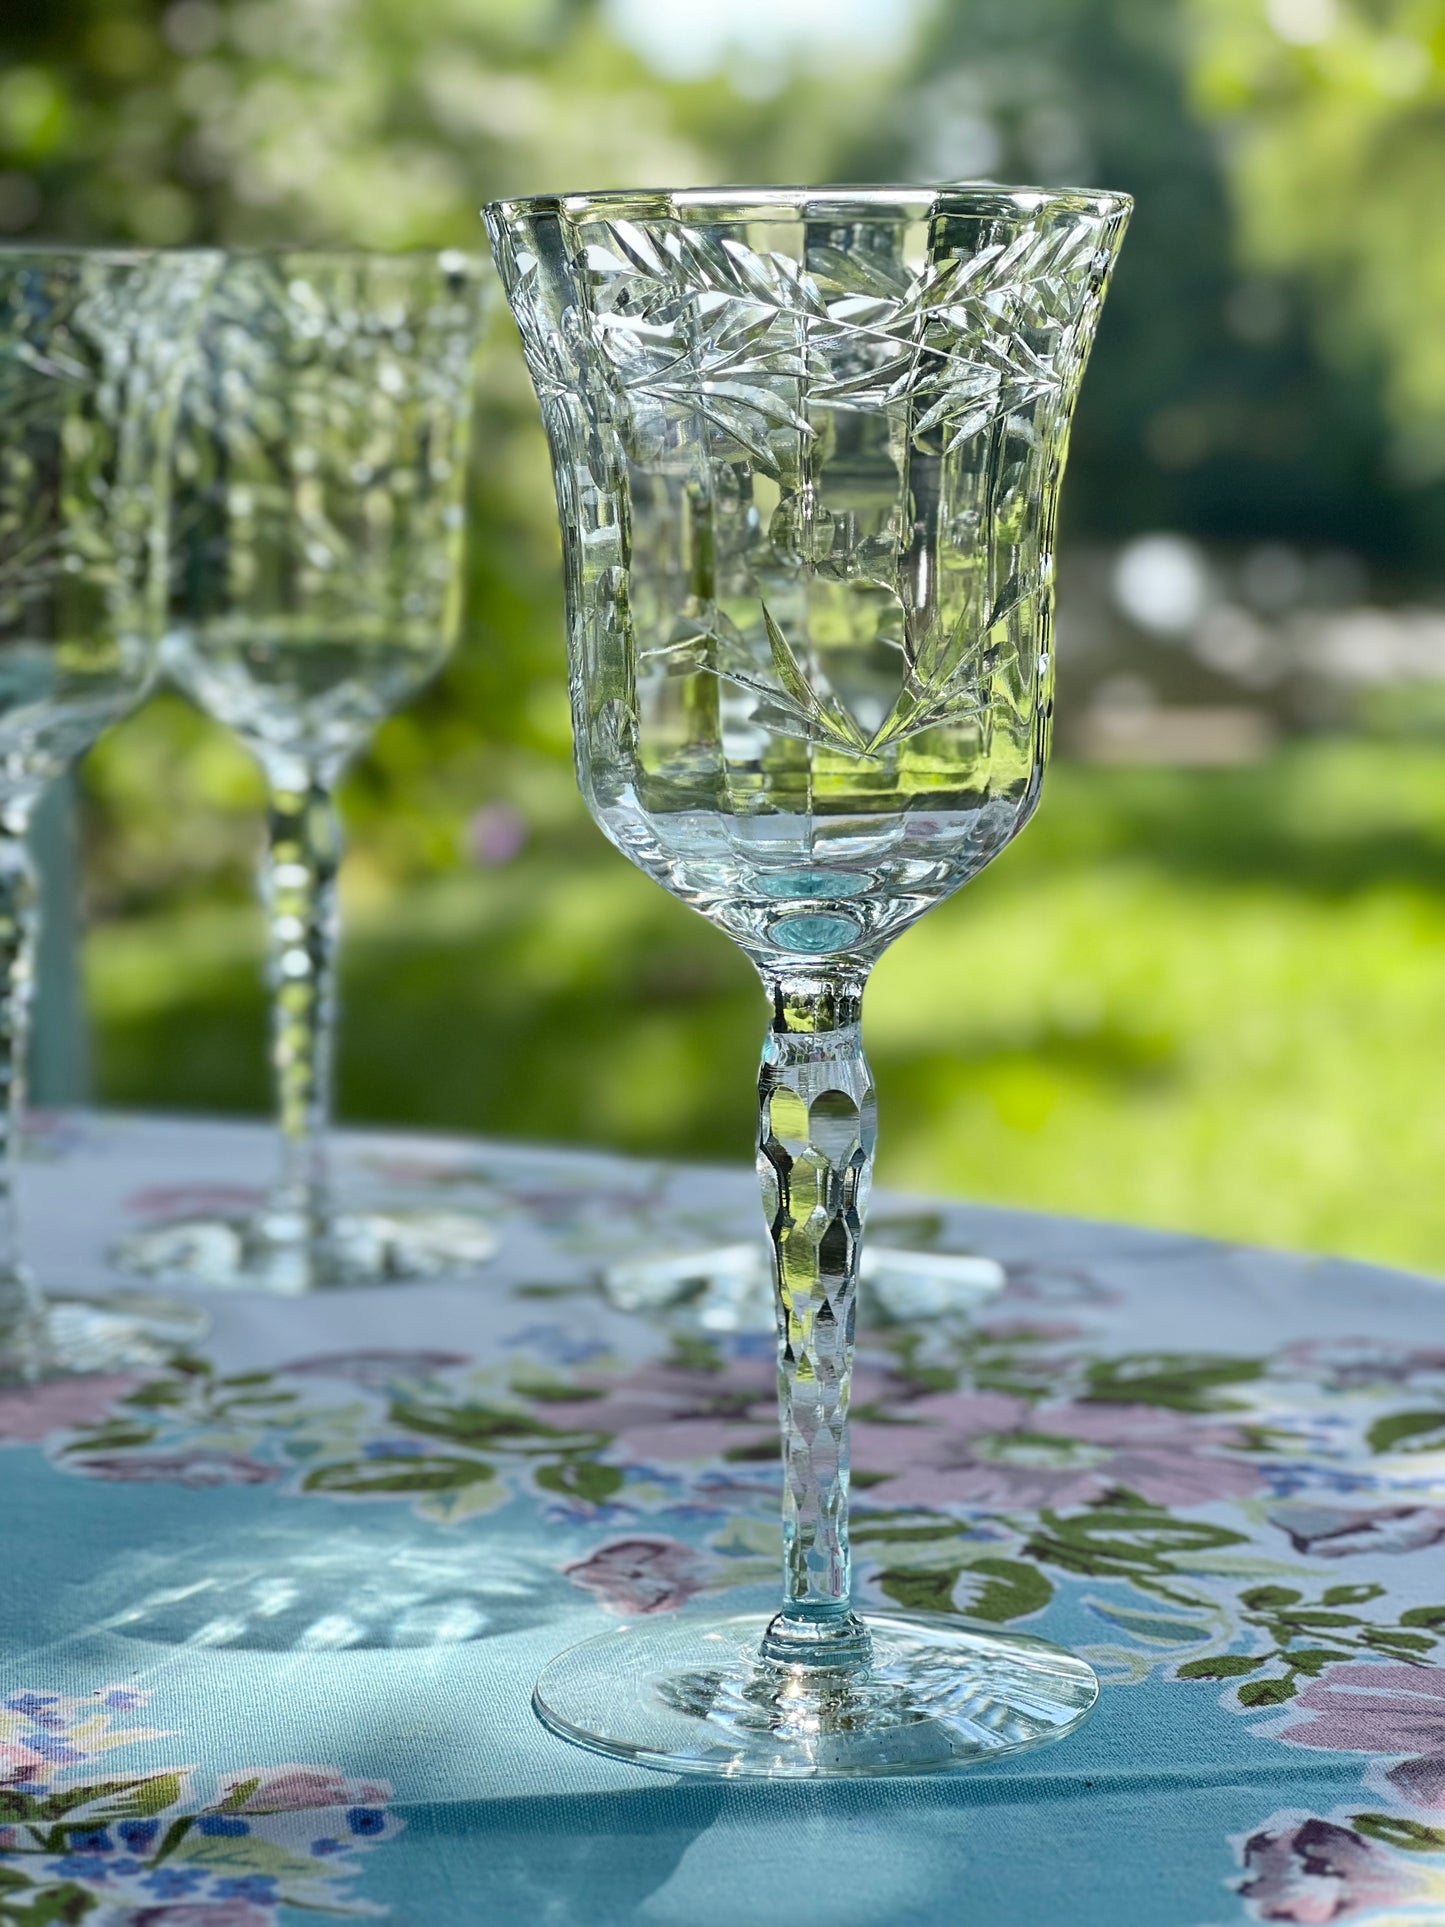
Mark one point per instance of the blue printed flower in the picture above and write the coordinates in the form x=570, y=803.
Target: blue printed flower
x=321, y=1848
x=170, y=1883
x=365, y=1821
x=91, y=1840
x=56, y=1750
x=81, y=1866
x=123, y=1699
x=222, y=1826
x=394, y=1449
x=251, y=1886
x=31, y=1703
x=138, y=1835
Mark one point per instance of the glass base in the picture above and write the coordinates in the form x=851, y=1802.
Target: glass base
x=687, y=1694
x=130, y=1331
x=290, y=1255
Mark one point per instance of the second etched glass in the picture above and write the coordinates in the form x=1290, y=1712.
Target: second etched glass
x=317, y=584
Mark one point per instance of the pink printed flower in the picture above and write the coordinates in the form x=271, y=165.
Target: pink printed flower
x=19, y=1763
x=1344, y=1364
x=29, y=1413
x=1369, y=1706
x=641, y=1575
x=663, y=1414
x=992, y=1449
x=198, y=1467
x=1334, y=1532
x=1311, y=1871
x=1364, y=1706
x=293, y=1788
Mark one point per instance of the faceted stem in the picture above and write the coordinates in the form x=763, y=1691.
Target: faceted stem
x=816, y=1130
x=299, y=888
x=20, y=1309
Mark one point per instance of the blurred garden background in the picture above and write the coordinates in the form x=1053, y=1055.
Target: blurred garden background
x=1207, y=988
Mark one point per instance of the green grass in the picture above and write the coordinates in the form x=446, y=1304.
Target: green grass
x=1209, y=1000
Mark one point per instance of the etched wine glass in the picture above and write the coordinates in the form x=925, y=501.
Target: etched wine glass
x=807, y=446
x=92, y=352
x=317, y=584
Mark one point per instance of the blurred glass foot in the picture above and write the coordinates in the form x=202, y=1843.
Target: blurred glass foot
x=290, y=1253
x=729, y=1287
x=126, y=1331
x=922, y=1694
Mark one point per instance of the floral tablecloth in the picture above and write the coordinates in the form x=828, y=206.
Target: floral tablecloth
x=269, y=1617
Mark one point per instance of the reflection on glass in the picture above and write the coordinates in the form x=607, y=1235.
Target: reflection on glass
x=317, y=585
x=92, y=351
x=807, y=447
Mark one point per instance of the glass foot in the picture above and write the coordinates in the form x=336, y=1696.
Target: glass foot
x=687, y=1694
x=290, y=1255
x=128, y=1331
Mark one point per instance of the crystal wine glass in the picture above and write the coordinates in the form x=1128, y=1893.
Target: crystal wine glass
x=807, y=446
x=92, y=352
x=317, y=584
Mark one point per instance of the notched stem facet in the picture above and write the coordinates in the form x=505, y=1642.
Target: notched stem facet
x=817, y=1122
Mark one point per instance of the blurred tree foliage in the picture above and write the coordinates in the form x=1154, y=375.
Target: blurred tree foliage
x=1334, y=116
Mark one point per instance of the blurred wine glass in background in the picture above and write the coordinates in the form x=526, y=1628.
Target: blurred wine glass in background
x=92, y=354
x=316, y=585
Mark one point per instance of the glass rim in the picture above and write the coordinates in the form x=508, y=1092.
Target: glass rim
x=914, y=201
x=451, y=258
x=117, y=256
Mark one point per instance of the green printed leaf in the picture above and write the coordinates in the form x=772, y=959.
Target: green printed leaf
x=121, y=1799
x=1351, y=1595
x=866, y=1528
x=115, y=1436
x=58, y=1906
x=1431, y=1616
x=1222, y=1666
x=1390, y=1641
x=1267, y=1692
x=1312, y=1659
x=249, y=1853
x=927, y=1592
x=1122, y=1540
x=1178, y=1381
x=401, y=1474
x=581, y=1479
x=160, y=1392
x=1392, y=1830
x=239, y=1795
x=1265, y=1598
x=1427, y=1429
x=1002, y=1589
x=1151, y=1624
x=492, y=1426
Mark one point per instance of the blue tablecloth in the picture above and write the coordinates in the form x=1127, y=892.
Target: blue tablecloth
x=269, y=1617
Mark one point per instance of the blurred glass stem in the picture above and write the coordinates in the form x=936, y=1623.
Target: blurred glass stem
x=20, y=1311
x=299, y=890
